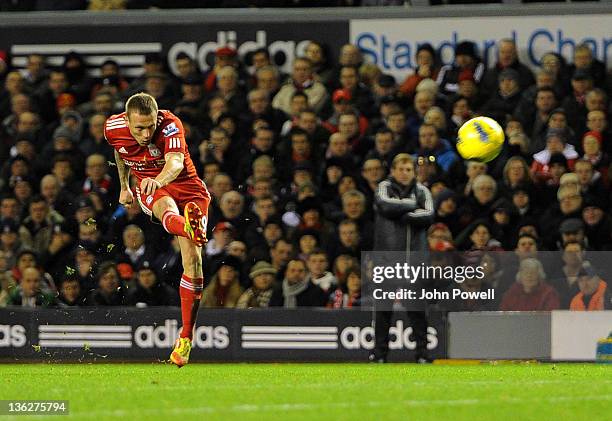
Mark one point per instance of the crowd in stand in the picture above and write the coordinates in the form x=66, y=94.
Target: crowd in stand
x=293, y=162
x=57, y=5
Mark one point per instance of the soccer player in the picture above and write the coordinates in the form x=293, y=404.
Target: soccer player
x=150, y=143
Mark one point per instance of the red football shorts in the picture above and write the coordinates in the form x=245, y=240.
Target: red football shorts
x=192, y=190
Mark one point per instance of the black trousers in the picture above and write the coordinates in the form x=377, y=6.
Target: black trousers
x=382, y=323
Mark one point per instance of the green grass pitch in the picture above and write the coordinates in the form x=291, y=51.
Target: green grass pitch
x=316, y=391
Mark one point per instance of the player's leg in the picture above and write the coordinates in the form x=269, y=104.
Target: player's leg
x=382, y=323
x=191, y=294
x=191, y=226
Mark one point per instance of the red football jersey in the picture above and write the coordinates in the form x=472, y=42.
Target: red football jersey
x=148, y=161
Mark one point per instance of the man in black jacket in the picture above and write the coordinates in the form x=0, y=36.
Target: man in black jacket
x=404, y=211
x=297, y=290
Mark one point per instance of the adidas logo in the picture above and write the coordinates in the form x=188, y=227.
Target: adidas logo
x=122, y=150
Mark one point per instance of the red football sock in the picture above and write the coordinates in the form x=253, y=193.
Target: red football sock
x=174, y=223
x=191, y=294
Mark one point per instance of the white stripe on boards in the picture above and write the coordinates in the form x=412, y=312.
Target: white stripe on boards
x=288, y=337
x=84, y=335
x=103, y=48
x=83, y=328
x=81, y=343
x=289, y=329
x=290, y=345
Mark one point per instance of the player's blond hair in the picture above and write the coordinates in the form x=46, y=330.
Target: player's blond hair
x=141, y=103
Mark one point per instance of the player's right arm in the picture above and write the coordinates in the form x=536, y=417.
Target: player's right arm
x=126, y=197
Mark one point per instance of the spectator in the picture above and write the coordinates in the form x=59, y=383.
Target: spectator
x=360, y=94
x=58, y=199
x=318, y=264
x=584, y=60
x=437, y=118
x=593, y=293
x=535, y=121
x=70, y=292
x=430, y=144
x=6, y=285
x=530, y=292
x=136, y=251
x=478, y=236
x=565, y=278
x=229, y=89
x=29, y=292
x=223, y=234
x=224, y=57
x=555, y=64
x=297, y=289
x=506, y=98
x=35, y=73
x=597, y=224
x=40, y=222
x=48, y=93
x=76, y=73
x=515, y=174
x=507, y=58
x=318, y=55
x=575, y=103
x=568, y=207
x=592, y=144
x=109, y=291
x=268, y=79
x=82, y=261
x=477, y=205
x=423, y=101
x=98, y=180
x=342, y=101
x=556, y=144
x=224, y=288
x=348, y=296
x=149, y=290
x=301, y=80
x=590, y=181
x=29, y=259
x=460, y=113
x=466, y=58
x=427, y=67
x=258, y=296
x=259, y=107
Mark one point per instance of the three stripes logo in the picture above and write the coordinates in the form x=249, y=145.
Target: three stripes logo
x=130, y=56
x=77, y=336
x=174, y=143
x=289, y=337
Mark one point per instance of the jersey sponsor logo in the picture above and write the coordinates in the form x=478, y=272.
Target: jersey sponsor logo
x=145, y=165
x=170, y=129
x=174, y=143
x=149, y=199
x=122, y=150
x=154, y=151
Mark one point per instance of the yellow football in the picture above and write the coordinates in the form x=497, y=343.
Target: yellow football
x=480, y=139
